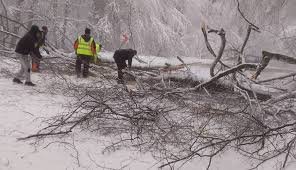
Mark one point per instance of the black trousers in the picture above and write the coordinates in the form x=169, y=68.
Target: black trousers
x=120, y=67
x=85, y=61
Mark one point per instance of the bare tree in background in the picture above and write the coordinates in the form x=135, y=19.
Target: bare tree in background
x=16, y=27
x=67, y=9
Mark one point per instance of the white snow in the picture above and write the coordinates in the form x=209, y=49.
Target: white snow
x=22, y=110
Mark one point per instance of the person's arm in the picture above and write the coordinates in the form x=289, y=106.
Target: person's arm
x=98, y=48
x=115, y=55
x=76, y=43
x=93, y=48
x=130, y=60
x=43, y=39
x=36, y=50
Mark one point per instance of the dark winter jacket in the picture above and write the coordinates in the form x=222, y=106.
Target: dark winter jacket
x=29, y=43
x=123, y=55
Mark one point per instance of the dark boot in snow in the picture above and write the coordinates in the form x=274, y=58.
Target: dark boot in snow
x=18, y=81
x=30, y=84
x=120, y=81
x=85, y=75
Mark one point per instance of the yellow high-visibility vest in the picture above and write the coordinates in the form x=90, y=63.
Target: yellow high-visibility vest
x=84, y=48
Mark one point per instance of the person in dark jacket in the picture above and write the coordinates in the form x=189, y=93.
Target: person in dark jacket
x=26, y=46
x=120, y=57
x=85, y=49
x=35, y=59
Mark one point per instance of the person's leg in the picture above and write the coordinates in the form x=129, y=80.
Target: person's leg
x=19, y=75
x=86, y=62
x=120, y=67
x=27, y=68
x=120, y=77
x=120, y=74
x=78, y=65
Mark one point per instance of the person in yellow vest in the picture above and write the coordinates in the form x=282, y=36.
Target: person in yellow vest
x=96, y=59
x=85, y=48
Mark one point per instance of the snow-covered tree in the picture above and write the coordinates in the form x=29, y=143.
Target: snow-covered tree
x=157, y=27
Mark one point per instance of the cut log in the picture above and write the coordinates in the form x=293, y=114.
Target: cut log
x=267, y=56
x=282, y=97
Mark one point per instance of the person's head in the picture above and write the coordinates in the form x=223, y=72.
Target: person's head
x=34, y=31
x=87, y=31
x=45, y=29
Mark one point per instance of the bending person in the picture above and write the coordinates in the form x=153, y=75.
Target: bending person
x=29, y=44
x=120, y=57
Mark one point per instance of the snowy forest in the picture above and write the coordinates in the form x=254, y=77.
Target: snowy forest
x=212, y=85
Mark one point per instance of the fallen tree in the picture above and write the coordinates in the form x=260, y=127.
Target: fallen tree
x=178, y=127
x=178, y=123
x=267, y=57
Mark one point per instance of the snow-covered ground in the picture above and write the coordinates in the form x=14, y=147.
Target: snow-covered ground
x=23, y=109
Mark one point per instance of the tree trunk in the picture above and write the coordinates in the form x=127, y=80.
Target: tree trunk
x=16, y=27
x=99, y=6
x=55, y=14
x=218, y=56
x=66, y=15
x=267, y=56
x=31, y=15
x=5, y=24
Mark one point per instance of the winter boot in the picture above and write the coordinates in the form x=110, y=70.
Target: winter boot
x=120, y=81
x=17, y=81
x=30, y=84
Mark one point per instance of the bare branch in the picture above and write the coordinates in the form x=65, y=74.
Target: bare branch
x=225, y=73
x=245, y=18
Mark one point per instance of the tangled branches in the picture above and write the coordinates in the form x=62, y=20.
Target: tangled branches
x=178, y=127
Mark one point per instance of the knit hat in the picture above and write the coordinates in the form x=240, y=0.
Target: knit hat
x=87, y=31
